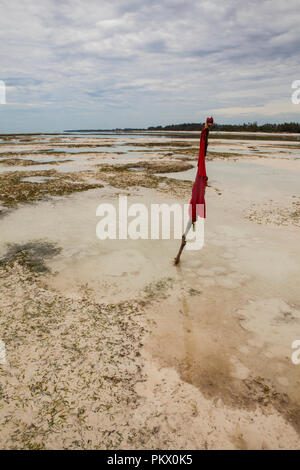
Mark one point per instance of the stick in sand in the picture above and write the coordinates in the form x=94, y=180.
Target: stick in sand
x=197, y=202
x=183, y=242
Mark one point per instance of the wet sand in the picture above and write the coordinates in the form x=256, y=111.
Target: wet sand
x=108, y=345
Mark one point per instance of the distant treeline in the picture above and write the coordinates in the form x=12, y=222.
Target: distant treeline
x=247, y=127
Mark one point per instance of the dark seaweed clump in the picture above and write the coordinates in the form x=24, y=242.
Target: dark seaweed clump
x=31, y=254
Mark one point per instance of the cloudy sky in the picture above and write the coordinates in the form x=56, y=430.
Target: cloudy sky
x=135, y=63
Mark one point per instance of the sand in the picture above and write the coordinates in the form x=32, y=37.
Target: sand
x=109, y=346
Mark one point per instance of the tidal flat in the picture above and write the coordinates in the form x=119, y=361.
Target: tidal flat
x=108, y=345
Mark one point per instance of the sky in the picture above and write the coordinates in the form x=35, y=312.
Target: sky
x=80, y=64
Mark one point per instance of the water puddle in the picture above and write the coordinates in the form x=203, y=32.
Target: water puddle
x=101, y=149
x=239, y=175
x=37, y=179
x=136, y=168
x=113, y=269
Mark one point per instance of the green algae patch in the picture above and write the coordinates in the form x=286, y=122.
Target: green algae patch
x=158, y=144
x=150, y=167
x=122, y=177
x=32, y=255
x=13, y=190
x=192, y=154
x=23, y=162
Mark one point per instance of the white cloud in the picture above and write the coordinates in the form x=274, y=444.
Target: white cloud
x=161, y=60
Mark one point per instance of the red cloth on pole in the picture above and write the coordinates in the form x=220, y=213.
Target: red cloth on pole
x=197, y=202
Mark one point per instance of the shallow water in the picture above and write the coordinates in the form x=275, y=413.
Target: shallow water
x=101, y=149
x=136, y=168
x=241, y=175
x=11, y=169
x=78, y=163
x=37, y=179
x=255, y=150
x=113, y=268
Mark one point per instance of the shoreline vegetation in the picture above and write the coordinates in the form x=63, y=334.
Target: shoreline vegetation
x=293, y=127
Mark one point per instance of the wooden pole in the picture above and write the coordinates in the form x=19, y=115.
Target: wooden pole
x=183, y=243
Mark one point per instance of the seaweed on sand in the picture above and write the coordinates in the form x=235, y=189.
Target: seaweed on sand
x=31, y=254
x=13, y=190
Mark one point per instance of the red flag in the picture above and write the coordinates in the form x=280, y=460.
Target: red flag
x=197, y=202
